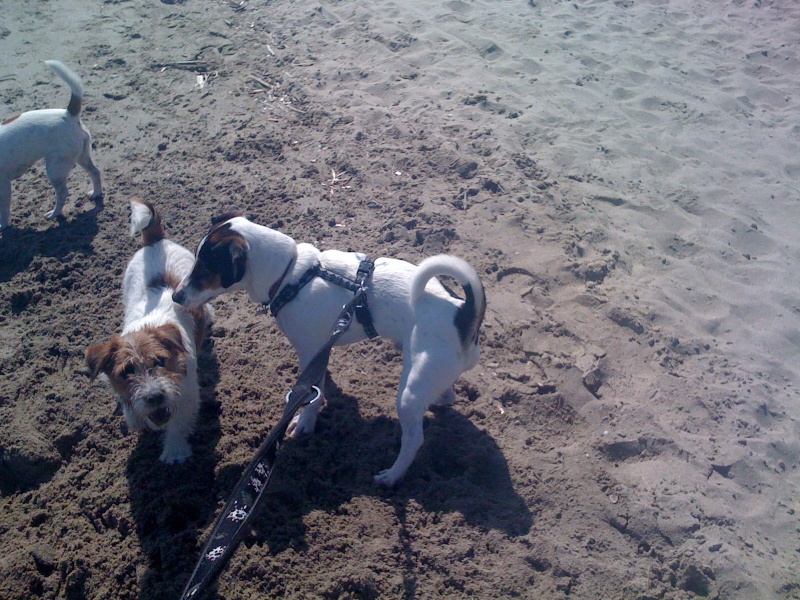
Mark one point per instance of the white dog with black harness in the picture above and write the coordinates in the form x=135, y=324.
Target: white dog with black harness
x=307, y=288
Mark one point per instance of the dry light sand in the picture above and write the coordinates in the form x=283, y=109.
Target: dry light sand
x=624, y=175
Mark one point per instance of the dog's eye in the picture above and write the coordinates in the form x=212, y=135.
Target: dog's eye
x=128, y=371
x=161, y=362
x=202, y=273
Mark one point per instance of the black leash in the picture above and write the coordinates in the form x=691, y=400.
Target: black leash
x=246, y=495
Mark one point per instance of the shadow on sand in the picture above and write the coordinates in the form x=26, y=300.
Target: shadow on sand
x=18, y=247
x=171, y=505
x=459, y=469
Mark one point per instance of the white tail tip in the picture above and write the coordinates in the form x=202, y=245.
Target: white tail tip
x=140, y=217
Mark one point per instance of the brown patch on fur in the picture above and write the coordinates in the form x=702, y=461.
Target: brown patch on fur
x=11, y=120
x=99, y=356
x=221, y=229
x=168, y=280
x=223, y=233
x=201, y=324
x=154, y=232
x=223, y=253
x=151, y=348
x=202, y=278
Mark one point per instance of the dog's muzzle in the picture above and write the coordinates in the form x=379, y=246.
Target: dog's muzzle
x=155, y=400
x=179, y=296
x=159, y=416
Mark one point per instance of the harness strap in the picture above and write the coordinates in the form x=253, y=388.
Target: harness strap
x=363, y=316
x=290, y=291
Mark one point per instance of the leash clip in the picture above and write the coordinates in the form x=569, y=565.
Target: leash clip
x=310, y=402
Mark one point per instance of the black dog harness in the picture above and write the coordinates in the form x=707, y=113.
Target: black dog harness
x=363, y=316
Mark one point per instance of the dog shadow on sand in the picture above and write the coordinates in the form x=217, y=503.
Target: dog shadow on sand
x=459, y=469
x=75, y=232
x=171, y=505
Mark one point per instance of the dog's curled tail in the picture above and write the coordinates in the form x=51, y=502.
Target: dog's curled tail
x=469, y=317
x=74, y=83
x=146, y=220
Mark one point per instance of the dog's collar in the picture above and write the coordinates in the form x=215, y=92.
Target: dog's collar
x=277, y=285
x=290, y=291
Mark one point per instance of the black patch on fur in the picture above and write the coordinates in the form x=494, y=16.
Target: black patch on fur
x=74, y=107
x=226, y=216
x=469, y=316
x=224, y=252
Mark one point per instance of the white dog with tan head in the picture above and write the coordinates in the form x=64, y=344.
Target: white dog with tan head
x=307, y=288
x=152, y=364
x=55, y=135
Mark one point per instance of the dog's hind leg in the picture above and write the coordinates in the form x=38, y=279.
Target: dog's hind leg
x=85, y=161
x=420, y=386
x=57, y=172
x=5, y=202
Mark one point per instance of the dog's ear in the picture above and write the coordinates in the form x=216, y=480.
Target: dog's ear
x=231, y=257
x=226, y=216
x=99, y=357
x=170, y=337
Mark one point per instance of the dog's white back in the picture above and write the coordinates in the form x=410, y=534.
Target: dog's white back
x=145, y=303
x=55, y=135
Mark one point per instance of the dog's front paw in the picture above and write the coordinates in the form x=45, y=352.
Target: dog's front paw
x=386, y=479
x=301, y=425
x=175, y=452
x=52, y=215
x=95, y=196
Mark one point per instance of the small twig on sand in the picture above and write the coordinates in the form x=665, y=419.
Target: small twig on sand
x=290, y=107
x=337, y=181
x=7, y=77
x=260, y=81
x=184, y=64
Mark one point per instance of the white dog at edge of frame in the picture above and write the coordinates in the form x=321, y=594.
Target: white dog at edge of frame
x=55, y=135
x=152, y=364
x=439, y=334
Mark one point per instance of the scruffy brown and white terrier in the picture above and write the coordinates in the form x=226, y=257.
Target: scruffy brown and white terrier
x=152, y=364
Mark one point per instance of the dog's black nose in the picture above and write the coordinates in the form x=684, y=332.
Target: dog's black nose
x=179, y=297
x=155, y=400
x=160, y=416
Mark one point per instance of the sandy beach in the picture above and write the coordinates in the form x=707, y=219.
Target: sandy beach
x=624, y=176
